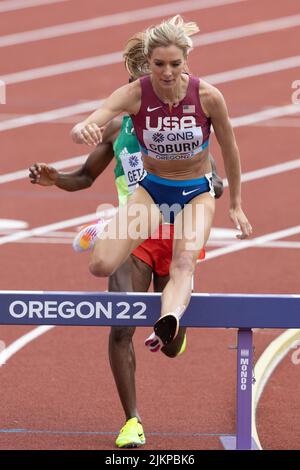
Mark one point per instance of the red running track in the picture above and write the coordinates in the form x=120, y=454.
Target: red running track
x=58, y=390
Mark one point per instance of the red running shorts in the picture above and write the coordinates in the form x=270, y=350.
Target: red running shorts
x=156, y=251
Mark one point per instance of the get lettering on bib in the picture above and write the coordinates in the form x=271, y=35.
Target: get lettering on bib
x=133, y=167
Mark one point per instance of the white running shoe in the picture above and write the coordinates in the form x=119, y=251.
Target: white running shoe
x=153, y=343
x=86, y=238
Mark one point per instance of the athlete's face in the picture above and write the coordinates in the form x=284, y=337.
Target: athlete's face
x=166, y=65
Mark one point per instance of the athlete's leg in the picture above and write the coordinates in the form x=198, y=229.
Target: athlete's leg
x=172, y=349
x=216, y=180
x=129, y=227
x=133, y=275
x=177, y=293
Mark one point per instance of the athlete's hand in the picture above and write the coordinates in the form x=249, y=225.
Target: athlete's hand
x=89, y=134
x=43, y=174
x=240, y=222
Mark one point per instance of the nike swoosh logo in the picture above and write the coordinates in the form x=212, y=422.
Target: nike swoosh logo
x=186, y=193
x=153, y=109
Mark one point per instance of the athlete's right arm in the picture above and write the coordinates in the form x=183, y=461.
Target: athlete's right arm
x=83, y=177
x=124, y=100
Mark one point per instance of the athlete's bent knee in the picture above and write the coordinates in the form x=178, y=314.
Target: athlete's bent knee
x=121, y=334
x=101, y=268
x=183, y=264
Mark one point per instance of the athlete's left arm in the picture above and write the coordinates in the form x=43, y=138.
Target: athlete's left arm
x=215, y=106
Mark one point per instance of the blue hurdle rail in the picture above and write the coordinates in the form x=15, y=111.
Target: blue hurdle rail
x=243, y=312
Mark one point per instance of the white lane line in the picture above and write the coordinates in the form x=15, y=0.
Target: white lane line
x=237, y=246
x=21, y=342
x=48, y=116
x=88, y=106
x=44, y=229
x=254, y=70
x=62, y=68
x=59, y=165
x=275, y=244
x=252, y=243
x=248, y=30
x=57, y=240
x=57, y=234
x=12, y=224
x=267, y=171
x=47, y=241
x=284, y=122
x=116, y=19
x=265, y=115
x=117, y=58
x=248, y=176
x=12, y=5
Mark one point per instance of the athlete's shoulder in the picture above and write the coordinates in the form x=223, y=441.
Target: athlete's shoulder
x=209, y=91
x=211, y=97
x=132, y=90
x=134, y=96
x=127, y=97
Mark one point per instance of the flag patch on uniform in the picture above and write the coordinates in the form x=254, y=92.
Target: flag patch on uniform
x=188, y=108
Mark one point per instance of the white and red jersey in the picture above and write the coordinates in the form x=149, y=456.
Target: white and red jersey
x=176, y=133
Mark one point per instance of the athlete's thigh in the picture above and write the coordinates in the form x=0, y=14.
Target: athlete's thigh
x=131, y=225
x=141, y=275
x=121, y=279
x=193, y=224
x=132, y=276
x=160, y=282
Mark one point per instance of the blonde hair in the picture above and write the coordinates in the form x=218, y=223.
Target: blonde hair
x=139, y=48
x=135, y=60
x=173, y=31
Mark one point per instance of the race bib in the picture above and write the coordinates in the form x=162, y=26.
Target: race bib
x=175, y=144
x=133, y=167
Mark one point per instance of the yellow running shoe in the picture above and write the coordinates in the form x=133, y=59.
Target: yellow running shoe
x=131, y=435
x=183, y=346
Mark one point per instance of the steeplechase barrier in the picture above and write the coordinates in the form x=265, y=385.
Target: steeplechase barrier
x=242, y=312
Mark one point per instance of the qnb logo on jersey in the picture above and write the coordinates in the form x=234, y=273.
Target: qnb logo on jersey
x=158, y=137
x=173, y=144
x=154, y=123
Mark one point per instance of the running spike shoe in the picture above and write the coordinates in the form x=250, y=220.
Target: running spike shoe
x=86, y=238
x=131, y=435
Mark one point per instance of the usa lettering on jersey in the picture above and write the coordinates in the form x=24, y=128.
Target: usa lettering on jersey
x=171, y=138
x=154, y=123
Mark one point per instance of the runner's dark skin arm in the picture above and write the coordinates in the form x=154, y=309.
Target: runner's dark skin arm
x=83, y=177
